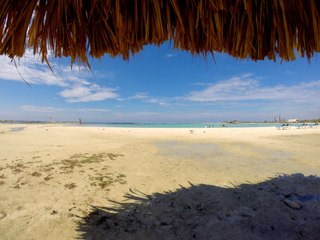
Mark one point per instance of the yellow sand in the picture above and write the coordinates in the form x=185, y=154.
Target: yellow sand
x=52, y=175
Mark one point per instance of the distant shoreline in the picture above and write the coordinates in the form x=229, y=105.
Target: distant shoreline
x=162, y=125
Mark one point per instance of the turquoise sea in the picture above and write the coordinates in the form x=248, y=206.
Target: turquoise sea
x=181, y=125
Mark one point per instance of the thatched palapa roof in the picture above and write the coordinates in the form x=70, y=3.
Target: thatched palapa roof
x=255, y=29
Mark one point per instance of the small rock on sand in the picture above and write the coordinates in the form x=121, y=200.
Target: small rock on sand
x=292, y=204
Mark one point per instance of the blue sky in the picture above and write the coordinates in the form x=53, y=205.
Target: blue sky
x=160, y=85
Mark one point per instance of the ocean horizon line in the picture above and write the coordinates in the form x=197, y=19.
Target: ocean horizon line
x=224, y=124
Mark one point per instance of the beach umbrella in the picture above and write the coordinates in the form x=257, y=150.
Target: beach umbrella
x=254, y=29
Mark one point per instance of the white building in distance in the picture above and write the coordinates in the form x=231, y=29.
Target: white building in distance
x=293, y=120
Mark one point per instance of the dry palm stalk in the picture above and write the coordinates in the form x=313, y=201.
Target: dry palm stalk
x=255, y=29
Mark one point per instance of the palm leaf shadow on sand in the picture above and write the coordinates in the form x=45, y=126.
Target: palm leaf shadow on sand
x=285, y=207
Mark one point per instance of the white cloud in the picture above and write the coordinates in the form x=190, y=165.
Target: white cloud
x=40, y=109
x=47, y=109
x=94, y=110
x=170, y=55
x=288, y=72
x=76, y=87
x=146, y=98
x=139, y=96
x=246, y=87
x=158, y=101
x=88, y=93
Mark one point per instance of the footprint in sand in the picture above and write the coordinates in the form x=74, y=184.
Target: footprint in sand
x=70, y=185
x=3, y=214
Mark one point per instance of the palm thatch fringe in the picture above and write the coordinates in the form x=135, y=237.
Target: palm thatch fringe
x=255, y=29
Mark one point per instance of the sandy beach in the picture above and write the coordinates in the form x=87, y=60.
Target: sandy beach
x=72, y=182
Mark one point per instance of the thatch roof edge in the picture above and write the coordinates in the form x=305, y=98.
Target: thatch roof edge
x=81, y=28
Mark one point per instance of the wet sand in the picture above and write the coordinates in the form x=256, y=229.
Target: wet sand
x=67, y=182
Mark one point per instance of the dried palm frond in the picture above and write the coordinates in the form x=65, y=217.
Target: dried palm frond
x=255, y=29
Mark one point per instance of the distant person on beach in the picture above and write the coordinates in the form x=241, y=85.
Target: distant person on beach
x=80, y=121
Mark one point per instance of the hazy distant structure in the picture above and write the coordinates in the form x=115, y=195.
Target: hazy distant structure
x=293, y=120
